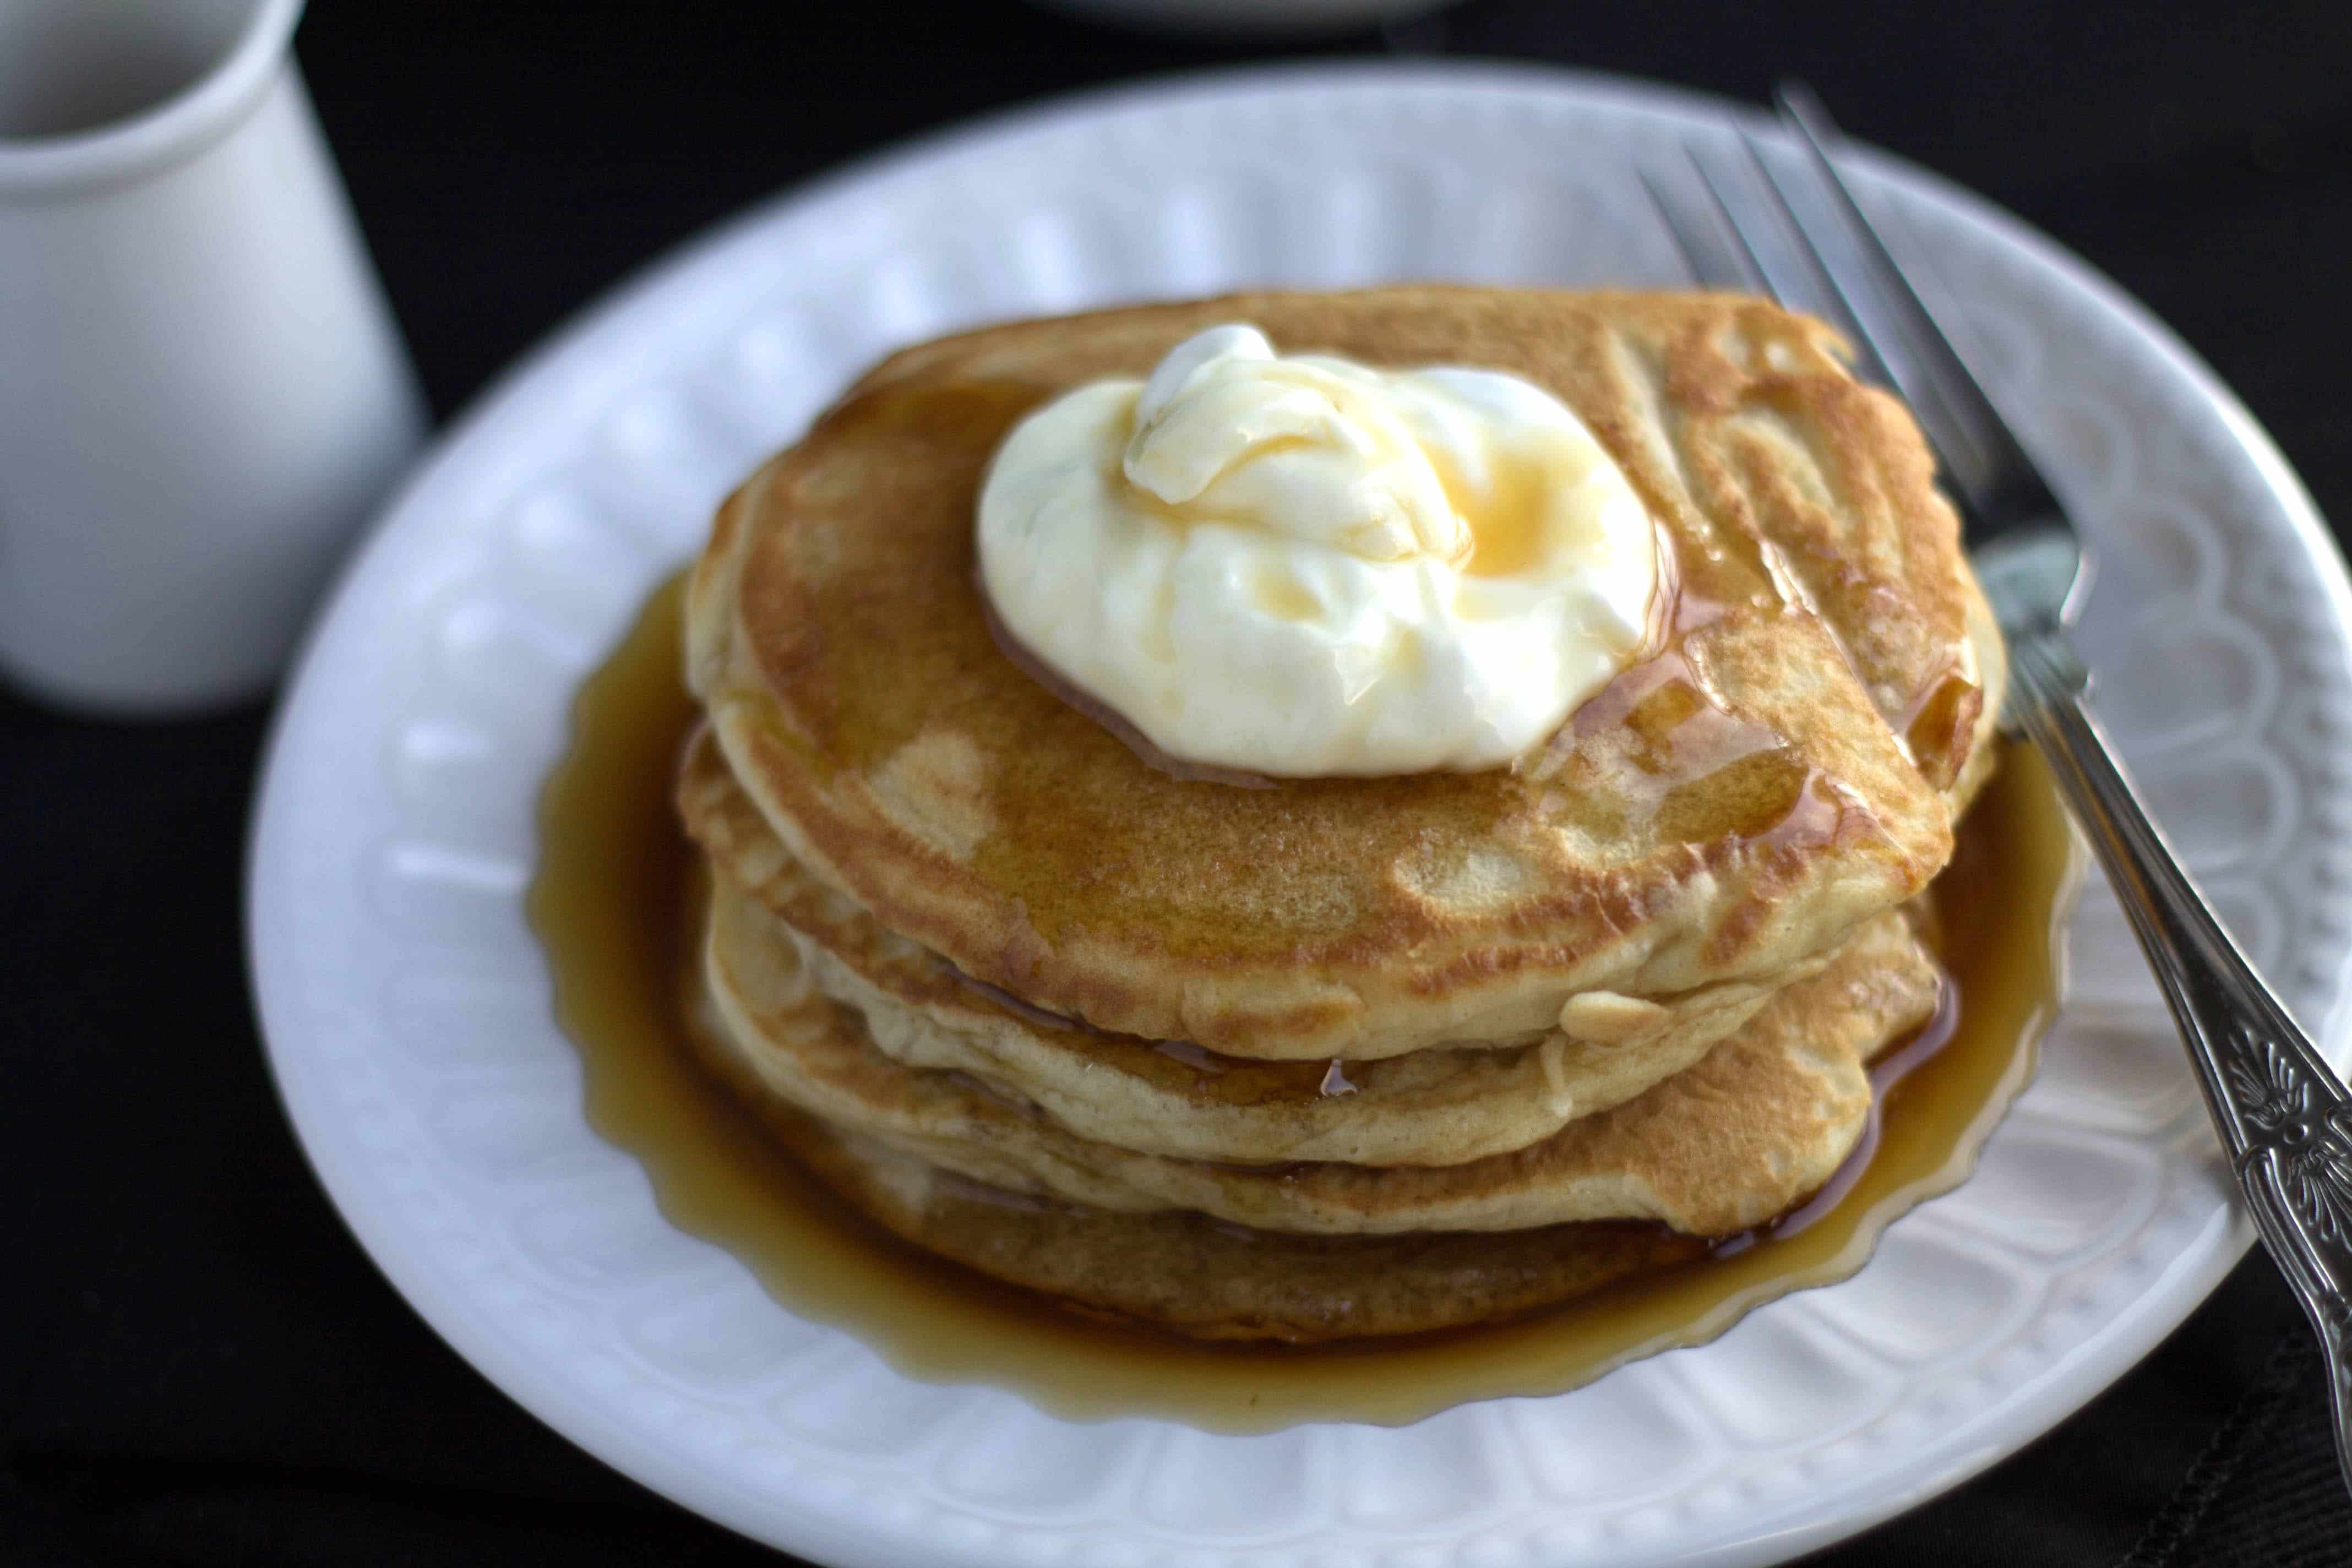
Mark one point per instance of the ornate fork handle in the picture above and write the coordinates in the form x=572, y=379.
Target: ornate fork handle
x=2284, y=1116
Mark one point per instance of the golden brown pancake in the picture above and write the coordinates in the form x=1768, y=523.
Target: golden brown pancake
x=1210, y=1281
x=1755, y=1127
x=1708, y=828
x=1435, y=1107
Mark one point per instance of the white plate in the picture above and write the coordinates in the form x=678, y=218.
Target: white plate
x=408, y=1008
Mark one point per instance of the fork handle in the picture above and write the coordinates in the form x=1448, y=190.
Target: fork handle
x=2283, y=1114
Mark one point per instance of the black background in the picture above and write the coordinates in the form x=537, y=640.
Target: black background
x=197, y=1365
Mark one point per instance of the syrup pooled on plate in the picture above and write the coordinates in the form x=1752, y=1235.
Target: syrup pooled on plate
x=610, y=902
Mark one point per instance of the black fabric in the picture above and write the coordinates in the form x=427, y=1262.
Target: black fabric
x=197, y=1365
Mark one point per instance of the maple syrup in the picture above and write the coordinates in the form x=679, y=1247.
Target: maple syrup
x=608, y=903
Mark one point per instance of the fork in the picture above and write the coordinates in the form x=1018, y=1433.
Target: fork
x=2283, y=1115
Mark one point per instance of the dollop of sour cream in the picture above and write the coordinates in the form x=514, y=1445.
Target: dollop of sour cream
x=1297, y=565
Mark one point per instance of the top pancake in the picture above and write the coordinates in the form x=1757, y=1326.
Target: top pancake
x=1719, y=816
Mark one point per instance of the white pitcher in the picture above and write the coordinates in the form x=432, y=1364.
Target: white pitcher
x=202, y=392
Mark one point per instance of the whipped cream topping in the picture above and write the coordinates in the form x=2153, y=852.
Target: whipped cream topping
x=1299, y=565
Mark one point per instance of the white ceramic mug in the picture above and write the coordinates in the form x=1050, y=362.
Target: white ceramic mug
x=202, y=392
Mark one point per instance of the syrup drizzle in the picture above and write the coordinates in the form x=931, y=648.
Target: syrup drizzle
x=608, y=902
x=1890, y=1068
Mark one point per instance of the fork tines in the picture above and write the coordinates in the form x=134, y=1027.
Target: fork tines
x=1785, y=222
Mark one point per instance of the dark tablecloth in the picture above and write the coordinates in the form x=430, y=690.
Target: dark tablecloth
x=197, y=1365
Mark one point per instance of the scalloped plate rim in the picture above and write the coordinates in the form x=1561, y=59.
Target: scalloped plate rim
x=609, y=326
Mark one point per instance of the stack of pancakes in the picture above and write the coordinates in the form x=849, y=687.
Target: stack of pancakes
x=1315, y=1059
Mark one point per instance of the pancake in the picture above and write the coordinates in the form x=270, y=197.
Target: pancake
x=1211, y=1281
x=1757, y=1125
x=1705, y=830
x=1435, y=1107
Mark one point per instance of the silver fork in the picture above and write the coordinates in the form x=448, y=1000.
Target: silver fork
x=2283, y=1115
